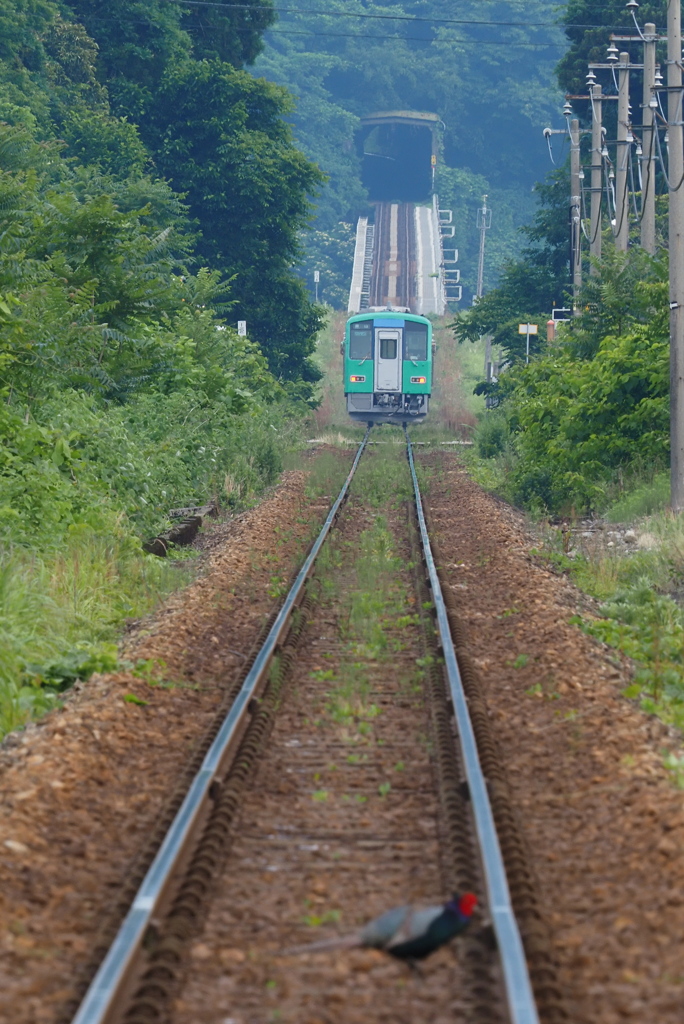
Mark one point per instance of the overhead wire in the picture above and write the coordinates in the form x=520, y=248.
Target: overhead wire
x=632, y=194
x=649, y=165
x=387, y=17
x=639, y=167
x=598, y=220
x=662, y=167
x=610, y=194
x=585, y=216
x=359, y=35
x=548, y=143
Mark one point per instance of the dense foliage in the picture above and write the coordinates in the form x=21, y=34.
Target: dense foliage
x=101, y=322
x=592, y=410
x=159, y=88
x=150, y=196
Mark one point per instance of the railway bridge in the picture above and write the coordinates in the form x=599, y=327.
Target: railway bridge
x=400, y=257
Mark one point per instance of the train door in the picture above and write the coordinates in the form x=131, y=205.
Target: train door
x=387, y=360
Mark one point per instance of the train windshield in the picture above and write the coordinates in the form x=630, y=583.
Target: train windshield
x=361, y=340
x=416, y=339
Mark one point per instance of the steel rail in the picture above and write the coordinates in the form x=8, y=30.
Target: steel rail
x=112, y=976
x=406, y=258
x=518, y=987
x=379, y=259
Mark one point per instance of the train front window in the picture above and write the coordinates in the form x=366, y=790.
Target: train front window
x=361, y=340
x=388, y=348
x=416, y=341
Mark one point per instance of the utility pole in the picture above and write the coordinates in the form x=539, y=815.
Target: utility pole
x=622, y=161
x=648, y=167
x=575, y=213
x=676, y=245
x=484, y=222
x=596, y=175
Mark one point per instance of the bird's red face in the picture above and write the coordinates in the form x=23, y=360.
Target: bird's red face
x=467, y=904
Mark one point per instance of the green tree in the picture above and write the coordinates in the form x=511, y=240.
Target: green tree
x=229, y=34
x=630, y=290
x=108, y=143
x=137, y=40
x=219, y=136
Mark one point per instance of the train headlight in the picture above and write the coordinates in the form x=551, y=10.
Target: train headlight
x=358, y=380
x=415, y=380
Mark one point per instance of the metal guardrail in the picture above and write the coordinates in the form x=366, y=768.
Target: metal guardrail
x=519, y=993
x=100, y=999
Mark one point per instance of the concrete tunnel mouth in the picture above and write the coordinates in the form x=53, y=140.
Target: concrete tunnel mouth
x=397, y=150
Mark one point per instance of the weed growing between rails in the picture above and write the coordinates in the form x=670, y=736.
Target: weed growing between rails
x=365, y=585
x=326, y=474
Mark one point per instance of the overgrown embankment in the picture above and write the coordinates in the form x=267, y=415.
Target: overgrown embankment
x=581, y=435
x=81, y=486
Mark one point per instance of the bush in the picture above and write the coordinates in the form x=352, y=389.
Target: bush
x=578, y=422
x=491, y=436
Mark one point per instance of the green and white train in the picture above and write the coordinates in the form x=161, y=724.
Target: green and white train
x=388, y=366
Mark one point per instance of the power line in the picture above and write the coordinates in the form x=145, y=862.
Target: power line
x=508, y=42
x=388, y=17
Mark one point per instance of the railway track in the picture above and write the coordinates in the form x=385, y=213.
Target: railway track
x=394, y=267
x=346, y=778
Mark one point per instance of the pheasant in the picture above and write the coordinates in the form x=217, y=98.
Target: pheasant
x=407, y=933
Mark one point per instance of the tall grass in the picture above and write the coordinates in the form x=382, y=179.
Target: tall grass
x=72, y=570
x=643, y=499
x=60, y=614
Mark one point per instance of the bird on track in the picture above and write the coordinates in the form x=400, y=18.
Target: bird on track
x=407, y=933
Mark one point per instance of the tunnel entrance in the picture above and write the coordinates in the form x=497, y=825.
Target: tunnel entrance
x=397, y=149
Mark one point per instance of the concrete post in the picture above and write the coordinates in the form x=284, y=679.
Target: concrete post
x=648, y=167
x=575, y=213
x=676, y=245
x=596, y=175
x=622, y=158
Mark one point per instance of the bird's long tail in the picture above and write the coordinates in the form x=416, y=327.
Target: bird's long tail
x=340, y=942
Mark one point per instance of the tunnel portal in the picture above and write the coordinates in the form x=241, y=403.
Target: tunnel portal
x=397, y=148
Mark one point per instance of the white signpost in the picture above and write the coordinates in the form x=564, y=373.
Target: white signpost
x=242, y=328
x=527, y=329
